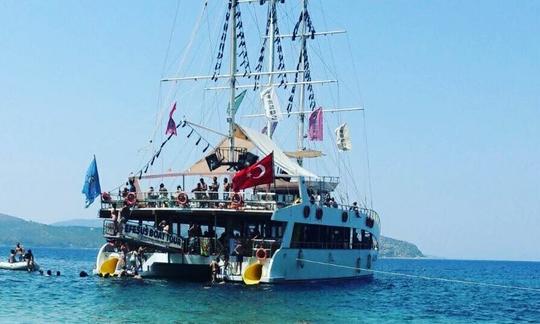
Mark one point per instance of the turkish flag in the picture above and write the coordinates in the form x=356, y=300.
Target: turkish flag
x=259, y=173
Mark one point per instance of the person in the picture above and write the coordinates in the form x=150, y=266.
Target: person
x=214, y=269
x=58, y=273
x=214, y=188
x=198, y=191
x=177, y=193
x=49, y=273
x=226, y=189
x=239, y=250
x=132, y=187
x=12, y=255
x=114, y=219
x=19, y=250
x=29, y=258
x=354, y=207
x=124, y=250
x=166, y=228
x=204, y=186
x=163, y=195
x=140, y=257
x=125, y=192
x=152, y=197
x=333, y=203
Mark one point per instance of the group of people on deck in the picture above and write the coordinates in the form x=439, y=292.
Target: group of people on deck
x=19, y=255
x=161, y=197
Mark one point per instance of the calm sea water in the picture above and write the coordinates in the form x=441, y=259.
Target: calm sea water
x=33, y=298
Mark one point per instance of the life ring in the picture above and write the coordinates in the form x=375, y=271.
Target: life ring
x=236, y=201
x=260, y=254
x=344, y=217
x=182, y=199
x=236, y=198
x=105, y=197
x=307, y=211
x=319, y=213
x=131, y=199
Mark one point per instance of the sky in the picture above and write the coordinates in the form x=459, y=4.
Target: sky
x=451, y=91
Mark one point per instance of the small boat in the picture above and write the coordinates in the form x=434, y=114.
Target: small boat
x=17, y=266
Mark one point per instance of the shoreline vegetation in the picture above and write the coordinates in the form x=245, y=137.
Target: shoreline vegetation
x=87, y=233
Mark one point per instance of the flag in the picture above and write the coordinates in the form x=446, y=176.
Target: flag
x=237, y=101
x=343, y=138
x=259, y=173
x=315, y=130
x=91, y=187
x=171, y=125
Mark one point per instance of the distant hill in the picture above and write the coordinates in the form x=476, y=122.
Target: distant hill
x=86, y=233
x=81, y=222
x=392, y=248
x=13, y=230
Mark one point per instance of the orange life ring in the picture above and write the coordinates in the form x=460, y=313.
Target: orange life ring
x=182, y=199
x=105, y=197
x=131, y=199
x=236, y=198
x=260, y=254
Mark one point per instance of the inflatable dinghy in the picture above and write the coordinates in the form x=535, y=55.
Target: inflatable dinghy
x=17, y=266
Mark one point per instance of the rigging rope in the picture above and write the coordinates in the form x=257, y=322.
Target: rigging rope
x=466, y=282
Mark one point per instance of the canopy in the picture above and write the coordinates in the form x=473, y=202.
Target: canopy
x=249, y=139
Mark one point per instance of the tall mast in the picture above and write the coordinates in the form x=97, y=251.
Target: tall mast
x=301, y=115
x=271, y=6
x=232, y=111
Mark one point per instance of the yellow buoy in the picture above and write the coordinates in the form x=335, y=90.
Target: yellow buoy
x=253, y=274
x=109, y=266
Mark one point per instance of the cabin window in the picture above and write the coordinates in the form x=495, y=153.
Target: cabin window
x=364, y=240
x=309, y=236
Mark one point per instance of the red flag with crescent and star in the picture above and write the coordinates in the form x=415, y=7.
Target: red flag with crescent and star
x=259, y=173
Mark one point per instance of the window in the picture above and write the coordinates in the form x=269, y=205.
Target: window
x=320, y=237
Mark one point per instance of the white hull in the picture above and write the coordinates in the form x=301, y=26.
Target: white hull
x=318, y=264
x=20, y=266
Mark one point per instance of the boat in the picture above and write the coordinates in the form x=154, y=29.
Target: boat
x=292, y=228
x=22, y=266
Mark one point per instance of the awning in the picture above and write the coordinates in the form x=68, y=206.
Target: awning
x=249, y=139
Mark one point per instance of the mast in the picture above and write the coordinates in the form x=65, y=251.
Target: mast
x=271, y=6
x=232, y=78
x=301, y=115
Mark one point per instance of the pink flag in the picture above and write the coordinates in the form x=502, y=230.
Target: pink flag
x=171, y=125
x=315, y=130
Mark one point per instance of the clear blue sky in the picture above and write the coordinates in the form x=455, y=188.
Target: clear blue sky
x=451, y=88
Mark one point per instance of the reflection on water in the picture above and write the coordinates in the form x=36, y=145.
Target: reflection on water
x=69, y=298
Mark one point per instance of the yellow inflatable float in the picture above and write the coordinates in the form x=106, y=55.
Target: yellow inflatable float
x=253, y=274
x=108, y=266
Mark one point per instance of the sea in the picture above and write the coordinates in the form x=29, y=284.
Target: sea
x=386, y=298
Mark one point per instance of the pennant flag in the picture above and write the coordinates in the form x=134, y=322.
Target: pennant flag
x=91, y=188
x=171, y=125
x=315, y=130
x=237, y=101
x=259, y=173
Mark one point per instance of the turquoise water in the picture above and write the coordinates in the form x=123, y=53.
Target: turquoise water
x=33, y=298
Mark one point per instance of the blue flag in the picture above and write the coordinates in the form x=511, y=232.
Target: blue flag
x=91, y=188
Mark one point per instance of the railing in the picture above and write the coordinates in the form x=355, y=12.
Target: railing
x=196, y=199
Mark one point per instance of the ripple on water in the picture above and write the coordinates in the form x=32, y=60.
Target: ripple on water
x=69, y=298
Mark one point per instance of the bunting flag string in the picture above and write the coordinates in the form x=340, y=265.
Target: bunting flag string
x=272, y=17
x=156, y=154
x=304, y=16
x=221, y=48
x=243, y=53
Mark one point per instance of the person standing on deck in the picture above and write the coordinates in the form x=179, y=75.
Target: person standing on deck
x=214, y=188
x=226, y=188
